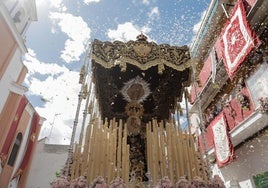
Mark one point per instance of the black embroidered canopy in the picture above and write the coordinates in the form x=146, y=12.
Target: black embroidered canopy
x=158, y=72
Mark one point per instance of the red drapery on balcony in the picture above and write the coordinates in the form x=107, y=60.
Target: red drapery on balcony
x=206, y=71
x=221, y=138
x=209, y=140
x=250, y=3
x=234, y=112
x=193, y=93
x=237, y=39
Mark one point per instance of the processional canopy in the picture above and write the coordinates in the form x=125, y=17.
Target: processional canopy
x=137, y=85
x=139, y=73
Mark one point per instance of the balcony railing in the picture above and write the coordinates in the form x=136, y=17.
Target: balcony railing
x=235, y=113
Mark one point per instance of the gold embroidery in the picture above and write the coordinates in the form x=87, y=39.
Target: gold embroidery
x=140, y=53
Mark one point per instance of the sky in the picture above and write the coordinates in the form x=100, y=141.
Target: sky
x=58, y=40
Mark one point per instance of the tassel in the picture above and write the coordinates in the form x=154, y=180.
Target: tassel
x=161, y=68
x=123, y=66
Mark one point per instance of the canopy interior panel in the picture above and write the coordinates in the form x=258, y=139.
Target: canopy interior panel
x=113, y=68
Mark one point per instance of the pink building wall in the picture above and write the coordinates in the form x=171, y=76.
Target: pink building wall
x=7, y=46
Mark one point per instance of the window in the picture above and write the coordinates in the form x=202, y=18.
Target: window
x=19, y=16
x=257, y=84
x=15, y=150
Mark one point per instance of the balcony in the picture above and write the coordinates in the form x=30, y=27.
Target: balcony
x=257, y=17
x=241, y=123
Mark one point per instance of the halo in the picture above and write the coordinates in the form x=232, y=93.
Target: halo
x=141, y=95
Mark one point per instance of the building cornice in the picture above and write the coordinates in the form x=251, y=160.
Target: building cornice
x=17, y=88
x=204, y=26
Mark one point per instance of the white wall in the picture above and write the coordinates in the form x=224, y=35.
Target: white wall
x=47, y=160
x=11, y=75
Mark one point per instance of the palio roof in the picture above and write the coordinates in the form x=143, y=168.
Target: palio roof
x=162, y=70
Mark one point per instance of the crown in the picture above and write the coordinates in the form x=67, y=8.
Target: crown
x=141, y=37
